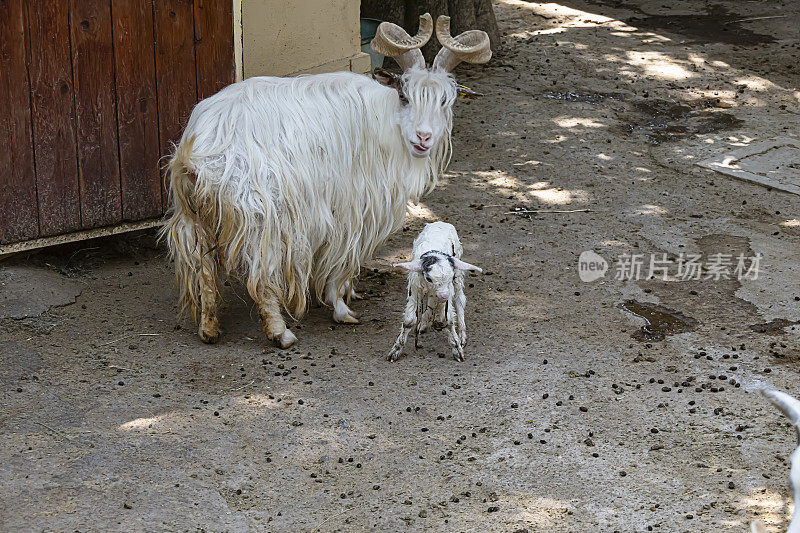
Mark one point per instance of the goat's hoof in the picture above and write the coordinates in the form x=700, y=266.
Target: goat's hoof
x=346, y=318
x=285, y=339
x=458, y=357
x=209, y=335
x=356, y=296
x=393, y=356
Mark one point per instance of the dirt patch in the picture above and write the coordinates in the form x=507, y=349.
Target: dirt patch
x=328, y=436
x=30, y=292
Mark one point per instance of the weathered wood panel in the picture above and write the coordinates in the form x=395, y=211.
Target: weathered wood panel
x=92, y=95
x=137, y=110
x=93, y=71
x=53, y=119
x=175, y=69
x=18, y=206
x=213, y=30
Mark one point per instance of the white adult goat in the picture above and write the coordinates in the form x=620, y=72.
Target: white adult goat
x=290, y=183
x=790, y=407
x=435, y=288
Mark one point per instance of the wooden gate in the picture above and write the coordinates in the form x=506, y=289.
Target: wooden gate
x=92, y=94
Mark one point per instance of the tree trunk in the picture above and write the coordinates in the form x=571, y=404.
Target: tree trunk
x=464, y=14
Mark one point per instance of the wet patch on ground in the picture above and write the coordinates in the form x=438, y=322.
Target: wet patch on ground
x=660, y=321
x=658, y=121
x=661, y=121
x=590, y=98
x=717, y=25
x=773, y=327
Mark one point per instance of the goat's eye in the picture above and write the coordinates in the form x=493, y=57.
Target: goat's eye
x=403, y=99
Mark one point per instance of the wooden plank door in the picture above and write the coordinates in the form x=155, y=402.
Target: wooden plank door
x=137, y=109
x=18, y=204
x=92, y=95
x=176, y=68
x=53, y=114
x=96, y=111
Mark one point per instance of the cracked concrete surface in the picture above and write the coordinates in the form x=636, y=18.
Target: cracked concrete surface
x=116, y=417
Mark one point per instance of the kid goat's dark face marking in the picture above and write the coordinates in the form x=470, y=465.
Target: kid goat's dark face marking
x=438, y=270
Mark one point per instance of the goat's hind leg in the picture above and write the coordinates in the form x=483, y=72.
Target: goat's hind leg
x=203, y=259
x=208, y=328
x=269, y=307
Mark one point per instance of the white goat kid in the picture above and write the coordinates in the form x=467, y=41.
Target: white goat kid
x=790, y=407
x=435, y=288
x=291, y=183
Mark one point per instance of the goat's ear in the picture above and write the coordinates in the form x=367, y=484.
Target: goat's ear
x=463, y=265
x=411, y=266
x=389, y=79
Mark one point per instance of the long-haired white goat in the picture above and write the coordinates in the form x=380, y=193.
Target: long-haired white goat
x=291, y=183
x=790, y=407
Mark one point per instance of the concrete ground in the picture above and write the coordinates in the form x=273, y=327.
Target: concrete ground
x=566, y=415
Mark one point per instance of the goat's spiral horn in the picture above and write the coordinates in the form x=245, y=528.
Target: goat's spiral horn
x=393, y=41
x=471, y=46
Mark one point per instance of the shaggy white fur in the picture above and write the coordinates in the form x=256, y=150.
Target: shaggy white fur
x=291, y=183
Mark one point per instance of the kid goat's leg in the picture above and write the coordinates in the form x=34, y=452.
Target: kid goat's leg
x=460, y=303
x=453, y=336
x=409, y=321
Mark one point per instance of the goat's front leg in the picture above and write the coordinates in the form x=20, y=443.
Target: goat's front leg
x=409, y=321
x=452, y=334
x=333, y=297
x=460, y=303
x=269, y=308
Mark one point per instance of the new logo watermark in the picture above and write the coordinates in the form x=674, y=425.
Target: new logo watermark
x=591, y=266
x=685, y=267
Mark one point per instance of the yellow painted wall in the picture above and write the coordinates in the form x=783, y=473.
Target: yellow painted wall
x=279, y=38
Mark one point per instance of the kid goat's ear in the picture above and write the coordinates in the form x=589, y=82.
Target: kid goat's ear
x=463, y=265
x=411, y=266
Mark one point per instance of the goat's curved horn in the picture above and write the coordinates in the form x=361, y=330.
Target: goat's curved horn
x=471, y=46
x=393, y=41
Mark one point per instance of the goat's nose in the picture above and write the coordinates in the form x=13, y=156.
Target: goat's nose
x=423, y=136
x=443, y=295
